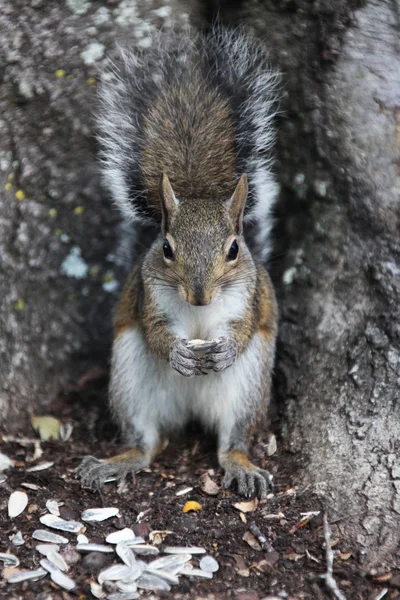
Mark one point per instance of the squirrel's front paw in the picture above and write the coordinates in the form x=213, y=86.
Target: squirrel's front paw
x=222, y=355
x=184, y=360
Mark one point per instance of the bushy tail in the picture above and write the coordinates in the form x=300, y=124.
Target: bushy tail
x=237, y=67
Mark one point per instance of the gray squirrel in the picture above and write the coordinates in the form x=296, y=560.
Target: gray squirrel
x=185, y=130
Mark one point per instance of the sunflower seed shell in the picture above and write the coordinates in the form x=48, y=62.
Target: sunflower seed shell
x=48, y=536
x=26, y=576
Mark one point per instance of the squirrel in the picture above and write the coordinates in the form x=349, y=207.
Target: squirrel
x=185, y=131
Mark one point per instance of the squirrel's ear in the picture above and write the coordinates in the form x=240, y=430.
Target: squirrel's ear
x=168, y=200
x=237, y=203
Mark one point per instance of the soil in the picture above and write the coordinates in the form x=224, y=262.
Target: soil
x=291, y=570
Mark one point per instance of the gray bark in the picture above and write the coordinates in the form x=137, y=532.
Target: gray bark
x=337, y=369
x=58, y=259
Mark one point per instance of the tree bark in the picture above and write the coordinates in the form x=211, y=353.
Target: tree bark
x=59, y=262
x=338, y=360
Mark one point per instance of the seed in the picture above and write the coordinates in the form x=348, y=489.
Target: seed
x=48, y=536
x=94, y=548
x=44, y=549
x=17, y=504
x=184, y=550
x=9, y=560
x=26, y=575
x=99, y=514
x=57, y=523
x=209, y=564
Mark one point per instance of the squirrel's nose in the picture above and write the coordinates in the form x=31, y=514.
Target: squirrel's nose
x=198, y=297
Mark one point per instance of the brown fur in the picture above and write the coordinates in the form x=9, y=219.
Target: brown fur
x=127, y=311
x=130, y=457
x=236, y=457
x=188, y=134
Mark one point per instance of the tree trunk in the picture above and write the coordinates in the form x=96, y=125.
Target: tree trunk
x=58, y=262
x=339, y=150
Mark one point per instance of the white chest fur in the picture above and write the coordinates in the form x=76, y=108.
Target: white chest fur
x=202, y=322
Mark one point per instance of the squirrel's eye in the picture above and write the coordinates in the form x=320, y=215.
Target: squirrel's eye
x=233, y=251
x=168, y=254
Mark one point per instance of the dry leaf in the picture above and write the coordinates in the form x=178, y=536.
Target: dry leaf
x=47, y=427
x=383, y=578
x=343, y=555
x=293, y=556
x=157, y=536
x=270, y=560
x=208, y=485
x=251, y=540
x=247, y=506
x=191, y=506
x=243, y=517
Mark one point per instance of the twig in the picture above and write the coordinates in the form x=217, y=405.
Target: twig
x=264, y=543
x=328, y=577
x=381, y=594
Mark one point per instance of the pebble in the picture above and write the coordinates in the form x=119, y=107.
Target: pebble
x=48, y=536
x=44, y=549
x=184, y=550
x=95, y=561
x=94, y=548
x=99, y=514
x=17, y=503
x=9, y=560
x=209, y=564
x=26, y=575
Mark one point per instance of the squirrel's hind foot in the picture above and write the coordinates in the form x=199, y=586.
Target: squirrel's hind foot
x=249, y=480
x=94, y=472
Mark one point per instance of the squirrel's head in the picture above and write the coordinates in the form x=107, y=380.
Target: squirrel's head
x=203, y=249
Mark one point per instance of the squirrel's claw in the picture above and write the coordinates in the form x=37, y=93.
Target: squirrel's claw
x=184, y=360
x=249, y=482
x=222, y=355
x=93, y=472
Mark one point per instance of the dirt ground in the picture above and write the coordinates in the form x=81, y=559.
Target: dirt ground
x=291, y=569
